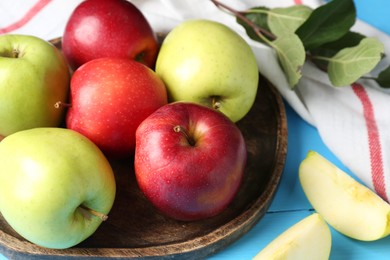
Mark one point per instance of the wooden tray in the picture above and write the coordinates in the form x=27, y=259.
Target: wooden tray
x=135, y=229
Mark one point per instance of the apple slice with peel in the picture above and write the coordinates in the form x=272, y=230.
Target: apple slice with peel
x=348, y=206
x=310, y=238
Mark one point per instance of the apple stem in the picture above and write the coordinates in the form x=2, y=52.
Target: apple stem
x=215, y=103
x=59, y=104
x=15, y=53
x=180, y=129
x=100, y=215
x=140, y=57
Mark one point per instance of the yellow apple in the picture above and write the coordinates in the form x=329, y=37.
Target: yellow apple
x=347, y=205
x=310, y=238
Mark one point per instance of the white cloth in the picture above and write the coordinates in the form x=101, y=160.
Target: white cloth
x=353, y=121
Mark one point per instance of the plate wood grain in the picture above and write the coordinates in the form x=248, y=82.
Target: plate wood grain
x=135, y=229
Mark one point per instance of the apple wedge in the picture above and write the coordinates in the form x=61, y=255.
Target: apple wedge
x=310, y=238
x=348, y=206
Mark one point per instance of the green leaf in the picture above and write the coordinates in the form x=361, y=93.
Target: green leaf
x=287, y=20
x=291, y=55
x=349, y=64
x=258, y=15
x=327, y=23
x=384, y=78
x=289, y=48
x=330, y=49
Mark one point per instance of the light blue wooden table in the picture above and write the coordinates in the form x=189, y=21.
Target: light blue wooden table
x=290, y=204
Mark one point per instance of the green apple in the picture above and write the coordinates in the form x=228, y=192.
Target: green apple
x=56, y=186
x=208, y=63
x=33, y=77
x=347, y=205
x=310, y=238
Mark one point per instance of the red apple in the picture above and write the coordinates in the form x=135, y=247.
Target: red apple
x=115, y=28
x=109, y=98
x=189, y=160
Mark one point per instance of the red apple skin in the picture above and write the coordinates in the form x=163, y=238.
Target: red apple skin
x=109, y=98
x=184, y=181
x=115, y=28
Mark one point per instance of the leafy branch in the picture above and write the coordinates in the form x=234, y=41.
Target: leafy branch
x=258, y=30
x=323, y=36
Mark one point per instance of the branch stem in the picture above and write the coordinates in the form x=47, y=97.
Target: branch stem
x=260, y=32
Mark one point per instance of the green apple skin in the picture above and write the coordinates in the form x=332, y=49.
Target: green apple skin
x=33, y=77
x=46, y=174
x=204, y=61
